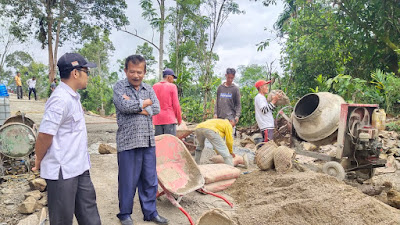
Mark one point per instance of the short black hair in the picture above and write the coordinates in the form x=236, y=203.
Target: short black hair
x=230, y=71
x=135, y=59
x=65, y=74
x=18, y=72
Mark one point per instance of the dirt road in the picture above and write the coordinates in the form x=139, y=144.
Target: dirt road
x=259, y=197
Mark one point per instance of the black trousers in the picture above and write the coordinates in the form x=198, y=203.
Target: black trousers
x=72, y=196
x=34, y=93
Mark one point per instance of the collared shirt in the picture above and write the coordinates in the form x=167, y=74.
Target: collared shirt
x=31, y=83
x=134, y=130
x=64, y=119
x=18, y=81
x=167, y=94
x=222, y=127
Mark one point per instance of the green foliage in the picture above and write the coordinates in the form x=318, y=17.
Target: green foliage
x=393, y=126
x=146, y=51
x=192, y=109
x=99, y=92
x=346, y=37
x=96, y=94
x=247, y=101
x=251, y=74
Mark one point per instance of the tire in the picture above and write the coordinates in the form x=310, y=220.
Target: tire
x=334, y=169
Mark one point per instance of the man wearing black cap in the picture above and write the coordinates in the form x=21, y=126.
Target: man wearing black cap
x=170, y=113
x=61, y=148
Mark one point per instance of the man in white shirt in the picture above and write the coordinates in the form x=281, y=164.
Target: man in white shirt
x=32, y=87
x=264, y=117
x=61, y=148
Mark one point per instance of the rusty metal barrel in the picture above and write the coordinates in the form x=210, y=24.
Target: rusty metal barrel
x=17, y=137
x=316, y=116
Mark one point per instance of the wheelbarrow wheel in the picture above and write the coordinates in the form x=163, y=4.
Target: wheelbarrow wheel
x=365, y=174
x=334, y=169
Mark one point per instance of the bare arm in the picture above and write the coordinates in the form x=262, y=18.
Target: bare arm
x=43, y=143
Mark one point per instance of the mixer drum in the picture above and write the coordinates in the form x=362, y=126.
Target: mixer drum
x=316, y=116
x=17, y=137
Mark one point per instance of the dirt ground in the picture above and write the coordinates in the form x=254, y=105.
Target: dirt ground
x=259, y=197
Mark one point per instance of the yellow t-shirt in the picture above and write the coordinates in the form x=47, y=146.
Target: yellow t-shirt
x=18, y=81
x=223, y=127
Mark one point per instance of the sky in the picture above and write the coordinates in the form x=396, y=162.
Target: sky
x=235, y=45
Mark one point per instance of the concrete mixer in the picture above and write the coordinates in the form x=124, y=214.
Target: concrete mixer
x=323, y=118
x=17, y=141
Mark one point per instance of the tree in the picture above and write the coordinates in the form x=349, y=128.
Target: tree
x=251, y=73
x=98, y=94
x=54, y=22
x=157, y=18
x=147, y=52
x=218, y=12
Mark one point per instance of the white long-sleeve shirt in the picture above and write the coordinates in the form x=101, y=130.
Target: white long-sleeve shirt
x=264, y=117
x=31, y=83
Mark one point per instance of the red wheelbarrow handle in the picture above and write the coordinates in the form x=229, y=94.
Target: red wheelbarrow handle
x=204, y=191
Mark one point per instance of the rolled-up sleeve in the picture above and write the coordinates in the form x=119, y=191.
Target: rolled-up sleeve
x=53, y=117
x=123, y=105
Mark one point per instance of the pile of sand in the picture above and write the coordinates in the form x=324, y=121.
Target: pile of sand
x=305, y=198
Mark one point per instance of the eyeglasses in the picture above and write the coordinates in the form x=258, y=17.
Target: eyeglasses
x=86, y=71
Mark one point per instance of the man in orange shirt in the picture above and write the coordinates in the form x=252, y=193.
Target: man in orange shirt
x=19, y=85
x=170, y=113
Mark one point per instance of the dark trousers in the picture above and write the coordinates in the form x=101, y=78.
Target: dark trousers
x=137, y=169
x=72, y=196
x=165, y=129
x=19, y=92
x=267, y=134
x=34, y=92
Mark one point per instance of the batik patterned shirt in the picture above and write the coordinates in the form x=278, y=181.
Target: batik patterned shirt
x=134, y=130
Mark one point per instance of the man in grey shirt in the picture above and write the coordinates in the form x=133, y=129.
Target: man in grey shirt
x=228, y=104
x=135, y=103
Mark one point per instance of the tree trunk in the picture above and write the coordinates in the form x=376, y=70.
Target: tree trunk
x=161, y=52
x=60, y=20
x=50, y=42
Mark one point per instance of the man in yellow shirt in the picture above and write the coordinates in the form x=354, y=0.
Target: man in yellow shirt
x=214, y=130
x=19, y=85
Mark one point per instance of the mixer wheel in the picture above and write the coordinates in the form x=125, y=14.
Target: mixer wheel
x=334, y=169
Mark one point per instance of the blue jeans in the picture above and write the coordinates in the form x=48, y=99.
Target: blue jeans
x=137, y=169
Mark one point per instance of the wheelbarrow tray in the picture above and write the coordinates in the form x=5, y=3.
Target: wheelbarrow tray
x=183, y=133
x=177, y=171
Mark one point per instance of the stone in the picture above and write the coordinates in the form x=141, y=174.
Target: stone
x=38, y=184
x=8, y=202
x=36, y=194
x=27, y=206
x=371, y=190
x=30, y=220
x=42, y=202
x=393, y=198
x=107, y=149
x=5, y=191
x=309, y=146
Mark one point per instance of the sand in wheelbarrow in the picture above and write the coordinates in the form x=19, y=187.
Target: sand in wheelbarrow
x=266, y=197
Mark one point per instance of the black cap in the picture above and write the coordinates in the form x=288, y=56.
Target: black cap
x=70, y=61
x=168, y=71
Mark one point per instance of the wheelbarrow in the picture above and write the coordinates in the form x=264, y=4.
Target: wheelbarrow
x=178, y=173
